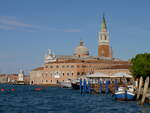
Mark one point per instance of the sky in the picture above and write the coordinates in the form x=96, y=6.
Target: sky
x=28, y=28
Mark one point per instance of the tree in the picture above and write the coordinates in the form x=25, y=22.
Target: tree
x=141, y=65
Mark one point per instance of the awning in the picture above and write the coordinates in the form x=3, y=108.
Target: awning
x=121, y=75
x=98, y=75
x=103, y=75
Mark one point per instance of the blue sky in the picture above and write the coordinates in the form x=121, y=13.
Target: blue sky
x=28, y=28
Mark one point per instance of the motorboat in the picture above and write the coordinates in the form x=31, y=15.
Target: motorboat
x=120, y=94
x=66, y=84
x=75, y=84
x=130, y=93
x=125, y=93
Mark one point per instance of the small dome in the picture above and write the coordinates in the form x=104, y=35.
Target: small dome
x=81, y=50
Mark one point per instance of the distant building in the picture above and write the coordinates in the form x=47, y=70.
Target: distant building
x=63, y=68
x=3, y=78
x=14, y=78
x=20, y=77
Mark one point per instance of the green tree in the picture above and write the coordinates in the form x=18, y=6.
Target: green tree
x=141, y=65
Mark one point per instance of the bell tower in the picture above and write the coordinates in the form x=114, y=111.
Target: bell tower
x=104, y=49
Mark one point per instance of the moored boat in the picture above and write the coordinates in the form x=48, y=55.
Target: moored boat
x=124, y=93
x=130, y=94
x=76, y=84
x=120, y=94
x=66, y=84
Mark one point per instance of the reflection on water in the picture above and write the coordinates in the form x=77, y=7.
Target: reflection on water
x=57, y=100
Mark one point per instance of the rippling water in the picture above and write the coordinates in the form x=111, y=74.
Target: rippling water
x=58, y=100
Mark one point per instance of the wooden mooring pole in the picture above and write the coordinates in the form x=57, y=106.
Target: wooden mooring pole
x=145, y=90
x=139, y=88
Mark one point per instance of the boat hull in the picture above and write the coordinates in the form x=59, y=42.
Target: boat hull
x=130, y=96
x=120, y=96
x=75, y=86
x=65, y=84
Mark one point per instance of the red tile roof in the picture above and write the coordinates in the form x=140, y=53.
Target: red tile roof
x=39, y=68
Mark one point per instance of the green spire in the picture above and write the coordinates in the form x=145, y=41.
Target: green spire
x=103, y=25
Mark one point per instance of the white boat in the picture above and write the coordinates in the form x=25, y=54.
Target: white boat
x=130, y=93
x=125, y=93
x=66, y=84
x=120, y=94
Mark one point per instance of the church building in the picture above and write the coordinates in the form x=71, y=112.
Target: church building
x=63, y=68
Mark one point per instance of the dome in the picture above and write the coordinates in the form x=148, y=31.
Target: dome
x=81, y=50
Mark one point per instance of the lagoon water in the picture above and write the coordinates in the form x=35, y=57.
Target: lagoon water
x=59, y=100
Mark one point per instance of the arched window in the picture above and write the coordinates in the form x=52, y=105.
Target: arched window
x=68, y=73
x=72, y=73
x=105, y=37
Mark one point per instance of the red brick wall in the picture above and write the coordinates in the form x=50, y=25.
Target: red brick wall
x=106, y=49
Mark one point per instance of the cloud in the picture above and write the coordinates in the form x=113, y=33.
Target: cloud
x=11, y=23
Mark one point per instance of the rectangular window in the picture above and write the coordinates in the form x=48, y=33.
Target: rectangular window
x=72, y=66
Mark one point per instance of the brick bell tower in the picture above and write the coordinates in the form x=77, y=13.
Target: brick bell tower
x=104, y=49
